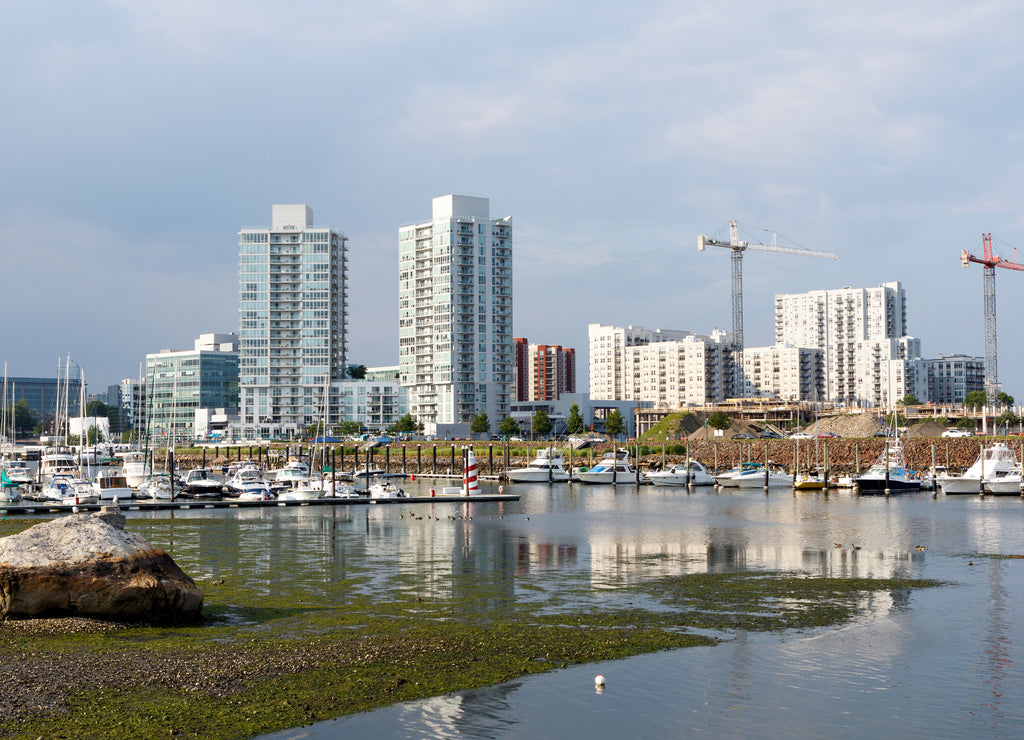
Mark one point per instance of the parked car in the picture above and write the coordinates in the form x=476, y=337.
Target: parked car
x=801, y=435
x=743, y=436
x=956, y=433
x=769, y=434
x=828, y=435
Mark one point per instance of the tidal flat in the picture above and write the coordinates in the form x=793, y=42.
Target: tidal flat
x=282, y=648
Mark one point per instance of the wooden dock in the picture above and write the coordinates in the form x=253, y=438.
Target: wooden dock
x=41, y=507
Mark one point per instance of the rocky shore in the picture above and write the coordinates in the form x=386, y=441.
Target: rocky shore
x=845, y=456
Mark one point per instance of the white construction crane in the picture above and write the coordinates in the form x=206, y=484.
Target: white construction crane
x=738, y=247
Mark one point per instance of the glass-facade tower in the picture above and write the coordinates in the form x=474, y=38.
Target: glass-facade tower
x=292, y=315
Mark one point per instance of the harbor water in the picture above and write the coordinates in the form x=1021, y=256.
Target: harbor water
x=934, y=662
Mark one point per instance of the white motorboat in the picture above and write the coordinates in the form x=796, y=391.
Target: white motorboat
x=110, y=483
x=157, y=487
x=547, y=467
x=614, y=467
x=61, y=486
x=57, y=463
x=694, y=473
x=248, y=485
x=292, y=475
x=201, y=483
x=728, y=478
x=889, y=473
x=19, y=472
x=759, y=477
x=386, y=489
x=995, y=471
x=135, y=467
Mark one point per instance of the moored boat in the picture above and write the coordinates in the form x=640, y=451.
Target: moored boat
x=995, y=471
x=614, y=467
x=889, y=474
x=694, y=473
x=546, y=467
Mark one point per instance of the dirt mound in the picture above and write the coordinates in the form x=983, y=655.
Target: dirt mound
x=929, y=428
x=847, y=425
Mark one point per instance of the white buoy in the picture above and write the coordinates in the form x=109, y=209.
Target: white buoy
x=599, y=680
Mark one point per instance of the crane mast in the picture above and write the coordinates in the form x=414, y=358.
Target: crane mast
x=989, y=262
x=738, y=247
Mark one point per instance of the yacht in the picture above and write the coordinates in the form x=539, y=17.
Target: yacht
x=995, y=471
x=292, y=475
x=57, y=463
x=135, y=467
x=759, y=477
x=200, y=482
x=547, y=467
x=728, y=478
x=110, y=483
x=889, y=473
x=157, y=487
x=19, y=472
x=614, y=467
x=248, y=485
x=694, y=473
x=386, y=489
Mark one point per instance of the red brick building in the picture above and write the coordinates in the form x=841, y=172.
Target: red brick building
x=543, y=371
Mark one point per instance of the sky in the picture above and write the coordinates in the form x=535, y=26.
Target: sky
x=137, y=137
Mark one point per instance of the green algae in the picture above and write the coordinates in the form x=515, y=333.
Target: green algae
x=269, y=656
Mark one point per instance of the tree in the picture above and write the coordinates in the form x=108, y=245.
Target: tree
x=348, y=427
x=966, y=424
x=1004, y=399
x=542, y=425
x=24, y=419
x=1007, y=419
x=719, y=420
x=481, y=424
x=910, y=400
x=975, y=399
x=614, y=424
x=575, y=424
x=357, y=372
x=508, y=427
x=406, y=424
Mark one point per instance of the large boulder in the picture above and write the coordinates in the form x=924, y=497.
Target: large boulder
x=89, y=566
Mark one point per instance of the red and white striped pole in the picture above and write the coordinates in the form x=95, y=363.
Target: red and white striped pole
x=471, y=483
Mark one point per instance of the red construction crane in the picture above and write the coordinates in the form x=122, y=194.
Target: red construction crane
x=990, y=262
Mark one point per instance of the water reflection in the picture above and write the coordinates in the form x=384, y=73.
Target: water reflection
x=937, y=662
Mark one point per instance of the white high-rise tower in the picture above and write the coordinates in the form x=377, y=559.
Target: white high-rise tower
x=455, y=313
x=292, y=314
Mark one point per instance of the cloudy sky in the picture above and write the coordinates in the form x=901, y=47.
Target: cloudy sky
x=137, y=138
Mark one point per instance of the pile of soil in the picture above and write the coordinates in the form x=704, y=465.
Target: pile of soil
x=847, y=425
x=929, y=428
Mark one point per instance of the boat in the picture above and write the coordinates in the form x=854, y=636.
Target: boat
x=199, y=482
x=728, y=478
x=157, y=487
x=290, y=476
x=813, y=480
x=8, y=488
x=58, y=462
x=889, y=473
x=995, y=471
x=761, y=476
x=111, y=484
x=385, y=489
x=546, y=467
x=19, y=472
x=60, y=487
x=614, y=467
x=693, y=473
x=135, y=467
x=247, y=484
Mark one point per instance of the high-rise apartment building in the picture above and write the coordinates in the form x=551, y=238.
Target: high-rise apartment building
x=455, y=313
x=860, y=330
x=784, y=372
x=543, y=372
x=665, y=368
x=292, y=317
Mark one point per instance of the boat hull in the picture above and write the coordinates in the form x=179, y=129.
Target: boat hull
x=537, y=476
x=880, y=485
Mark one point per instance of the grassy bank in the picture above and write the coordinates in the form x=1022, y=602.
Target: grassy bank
x=265, y=660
